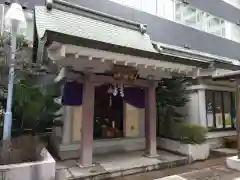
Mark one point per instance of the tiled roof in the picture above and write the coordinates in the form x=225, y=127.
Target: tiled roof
x=88, y=28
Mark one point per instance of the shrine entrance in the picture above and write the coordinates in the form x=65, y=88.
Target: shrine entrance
x=108, y=113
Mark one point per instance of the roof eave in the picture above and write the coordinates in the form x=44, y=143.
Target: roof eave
x=68, y=39
x=227, y=76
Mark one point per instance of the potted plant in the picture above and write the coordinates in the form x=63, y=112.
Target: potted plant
x=35, y=108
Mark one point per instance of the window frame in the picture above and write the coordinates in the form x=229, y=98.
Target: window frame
x=232, y=111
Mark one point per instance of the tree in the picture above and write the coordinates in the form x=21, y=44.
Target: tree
x=170, y=95
x=34, y=105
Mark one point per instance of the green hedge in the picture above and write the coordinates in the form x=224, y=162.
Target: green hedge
x=186, y=133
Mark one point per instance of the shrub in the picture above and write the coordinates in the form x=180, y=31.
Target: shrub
x=192, y=134
x=186, y=133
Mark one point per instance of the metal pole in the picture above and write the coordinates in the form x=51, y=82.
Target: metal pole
x=238, y=116
x=8, y=113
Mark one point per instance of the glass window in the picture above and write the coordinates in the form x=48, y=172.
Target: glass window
x=178, y=12
x=189, y=16
x=227, y=109
x=149, y=6
x=133, y=3
x=232, y=32
x=215, y=25
x=165, y=8
x=209, y=106
x=220, y=110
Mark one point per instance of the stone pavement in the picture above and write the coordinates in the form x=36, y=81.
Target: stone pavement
x=213, y=173
x=119, y=164
x=220, y=172
x=213, y=169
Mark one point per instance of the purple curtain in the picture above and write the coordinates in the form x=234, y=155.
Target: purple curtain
x=134, y=96
x=72, y=94
x=73, y=91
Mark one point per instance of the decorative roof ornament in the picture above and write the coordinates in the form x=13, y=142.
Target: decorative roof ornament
x=49, y=4
x=143, y=28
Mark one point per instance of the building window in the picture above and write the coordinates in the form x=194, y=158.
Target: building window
x=220, y=110
x=179, y=12
x=165, y=9
x=188, y=15
x=150, y=6
x=215, y=25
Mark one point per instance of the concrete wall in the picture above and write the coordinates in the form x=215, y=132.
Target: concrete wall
x=192, y=108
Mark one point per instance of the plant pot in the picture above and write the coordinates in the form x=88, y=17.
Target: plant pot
x=26, y=170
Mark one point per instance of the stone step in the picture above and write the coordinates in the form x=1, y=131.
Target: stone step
x=223, y=152
x=114, y=169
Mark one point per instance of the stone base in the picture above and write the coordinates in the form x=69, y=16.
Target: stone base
x=119, y=164
x=151, y=156
x=233, y=163
x=81, y=166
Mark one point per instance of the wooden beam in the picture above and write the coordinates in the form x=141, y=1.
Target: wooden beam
x=109, y=79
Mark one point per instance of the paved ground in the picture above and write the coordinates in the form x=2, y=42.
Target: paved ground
x=214, y=169
x=118, y=164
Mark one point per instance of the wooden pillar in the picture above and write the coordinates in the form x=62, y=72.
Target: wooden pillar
x=151, y=120
x=238, y=114
x=86, y=150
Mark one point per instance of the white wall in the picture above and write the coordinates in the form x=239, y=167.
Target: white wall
x=192, y=108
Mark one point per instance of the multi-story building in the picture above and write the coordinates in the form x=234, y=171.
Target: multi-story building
x=189, y=37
